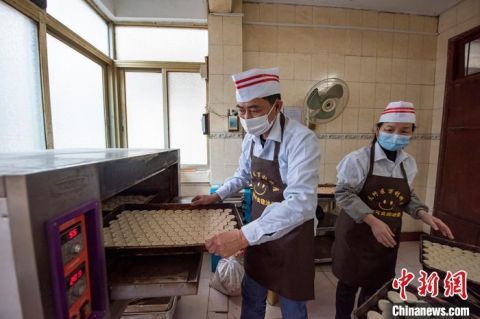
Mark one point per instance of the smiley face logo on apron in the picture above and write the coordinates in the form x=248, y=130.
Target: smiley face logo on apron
x=386, y=205
x=260, y=188
x=385, y=199
x=263, y=185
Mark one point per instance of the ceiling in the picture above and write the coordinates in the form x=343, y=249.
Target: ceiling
x=196, y=11
x=422, y=7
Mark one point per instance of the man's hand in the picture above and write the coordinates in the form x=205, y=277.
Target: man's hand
x=436, y=223
x=205, y=199
x=383, y=234
x=227, y=244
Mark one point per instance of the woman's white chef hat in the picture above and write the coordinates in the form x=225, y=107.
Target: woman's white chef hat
x=399, y=111
x=256, y=83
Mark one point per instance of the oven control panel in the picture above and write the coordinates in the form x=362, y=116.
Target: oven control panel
x=72, y=242
x=77, y=263
x=74, y=255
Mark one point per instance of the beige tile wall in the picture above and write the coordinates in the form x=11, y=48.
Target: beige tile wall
x=378, y=66
x=464, y=16
x=225, y=59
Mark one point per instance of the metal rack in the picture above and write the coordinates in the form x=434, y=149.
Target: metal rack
x=325, y=232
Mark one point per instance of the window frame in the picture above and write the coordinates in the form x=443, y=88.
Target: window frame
x=106, y=112
x=190, y=166
x=113, y=79
x=156, y=25
x=152, y=66
x=49, y=25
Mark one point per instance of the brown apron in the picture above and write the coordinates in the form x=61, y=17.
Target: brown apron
x=358, y=258
x=285, y=265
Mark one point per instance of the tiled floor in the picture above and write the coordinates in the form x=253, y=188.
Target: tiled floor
x=210, y=304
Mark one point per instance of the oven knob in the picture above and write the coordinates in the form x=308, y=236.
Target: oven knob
x=76, y=248
x=78, y=290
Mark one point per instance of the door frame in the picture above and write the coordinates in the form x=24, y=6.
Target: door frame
x=454, y=76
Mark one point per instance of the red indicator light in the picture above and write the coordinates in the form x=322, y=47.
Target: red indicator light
x=73, y=233
x=75, y=277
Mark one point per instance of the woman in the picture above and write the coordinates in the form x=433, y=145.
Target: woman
x=374, y=188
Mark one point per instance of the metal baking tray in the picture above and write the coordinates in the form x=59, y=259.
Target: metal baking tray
x=106, y=210
x=155, y=271
x=132, y=276
x=154, y=198
x=161, y=304
x=473, y=287
x=171, y=248
x=372, y=302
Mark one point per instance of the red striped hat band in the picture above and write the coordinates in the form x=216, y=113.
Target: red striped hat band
x=256, y=82
x=256, y=77
x=398, y=111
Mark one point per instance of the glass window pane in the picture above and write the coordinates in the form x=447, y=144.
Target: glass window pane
x=186, y=104
x=161, y=44
x=472, y=57
x=21, y=116
x=81, y=19
x=144, y=99
x=76, y=95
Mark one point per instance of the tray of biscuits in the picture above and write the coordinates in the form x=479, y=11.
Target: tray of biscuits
x=442, y=255
x=167, y=226
x=379, y=306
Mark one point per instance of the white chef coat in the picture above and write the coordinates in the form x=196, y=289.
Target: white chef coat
x=352, y=172
x=299, y=161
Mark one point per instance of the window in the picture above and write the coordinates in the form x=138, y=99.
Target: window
x=78, y=16
x=76, y=95
x=21, y=119
x=161, y=44
x=472, y=57
x=186, y=103
x=144, y=103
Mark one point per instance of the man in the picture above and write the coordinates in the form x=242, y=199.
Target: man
x=280, y=159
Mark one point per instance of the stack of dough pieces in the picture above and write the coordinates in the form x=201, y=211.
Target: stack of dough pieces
x=167, y=227
x=326, y=190
x=119, y=200
x=444, y=258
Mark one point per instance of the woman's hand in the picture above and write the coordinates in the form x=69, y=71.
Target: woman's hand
x=436, y=223
x=381, y=231
x=205, y=199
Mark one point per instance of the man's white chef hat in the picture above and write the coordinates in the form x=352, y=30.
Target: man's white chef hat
x=256, y=83
x=400, y=111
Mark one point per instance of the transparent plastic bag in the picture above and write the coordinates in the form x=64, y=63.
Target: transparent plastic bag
x=228, y=276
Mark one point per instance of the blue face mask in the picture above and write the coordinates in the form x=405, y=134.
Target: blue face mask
x=393, y=142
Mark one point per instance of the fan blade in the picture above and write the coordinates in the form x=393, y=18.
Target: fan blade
x=315, y=100
x=336, y=91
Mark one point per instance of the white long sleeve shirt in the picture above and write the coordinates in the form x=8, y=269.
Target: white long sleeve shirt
x=352, y=172
x=299, y=161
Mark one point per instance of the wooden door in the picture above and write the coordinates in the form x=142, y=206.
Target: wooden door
x=457, y=197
